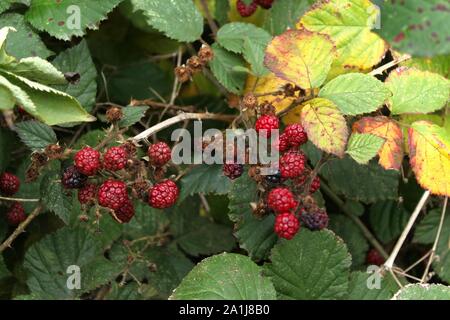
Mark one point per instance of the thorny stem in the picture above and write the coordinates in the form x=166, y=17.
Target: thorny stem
x=20, y=229
x=436, y=240
x=390, y=261
x=181, y=117
x=366, y=232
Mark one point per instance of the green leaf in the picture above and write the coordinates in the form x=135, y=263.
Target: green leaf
x=423, y=292
x=7, y=100
x=247, y=39
x=352, y=236
x=47, y=263
x=171, y=267
x=64, y=19
x=25, y=42
x=36, y=69
x=51, y=106
x=284, y=14
x=426, y=232
x=36, y=135
x=179, y=20
x=362, y=147
x=19, y=96
x=147, y=221
x=78, y=60
x=367, y=183
x=138, y=81
x=256, y=236
x=4, y=5
x=297, y=266
x=388, y=219
x=436, y=64
x=242, y=192
x=371, y=286
x=227, y=276
x=54, y=196
x=204, y=178
x=197, y=235
x=355, y=93
x=222, y=67
x=416, y=91
x=132, y=115
x=417, y=27
x=221, y=11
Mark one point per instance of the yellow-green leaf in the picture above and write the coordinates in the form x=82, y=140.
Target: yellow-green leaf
x=364, y=146
x=349, y=25
x=416, y=91
x=301, y=57
x=325, y=125
x=429, y=153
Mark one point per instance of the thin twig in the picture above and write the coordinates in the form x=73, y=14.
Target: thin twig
x=390, y=261
x=388, y=65
x=212, y=24
x=181, y=117
x=19, y=199
x=436, y=240
x=366, y=232
x=20, y=229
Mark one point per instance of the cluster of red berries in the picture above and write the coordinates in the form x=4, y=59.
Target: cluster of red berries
x=293, y=183
x=246, y=10
x=9, y=186
x=90, y=166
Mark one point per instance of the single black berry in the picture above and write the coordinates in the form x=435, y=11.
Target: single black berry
x=72, y=178
x=273, y=179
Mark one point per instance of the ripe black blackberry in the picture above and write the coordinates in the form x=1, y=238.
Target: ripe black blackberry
x=314, y=220
x=233, y=170
x=274, y=179
x=72, y=178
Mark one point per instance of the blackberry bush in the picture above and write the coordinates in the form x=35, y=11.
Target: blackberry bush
x=130, y=148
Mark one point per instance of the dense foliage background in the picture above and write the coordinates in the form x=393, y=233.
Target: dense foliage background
x=372, y=93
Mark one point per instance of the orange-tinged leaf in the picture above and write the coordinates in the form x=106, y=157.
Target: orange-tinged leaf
x=325, y=125
x=391, y=153
x=429, y=153
x=268, y=84
x=301, y=57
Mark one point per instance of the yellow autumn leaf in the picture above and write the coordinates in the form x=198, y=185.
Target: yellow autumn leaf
x=301, y=57
x=325, y=125
x=429, y=153
x=349, y=24
x=391, y=153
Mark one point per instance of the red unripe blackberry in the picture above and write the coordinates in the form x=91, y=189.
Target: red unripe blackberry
x=283, y=143
x=286, y=225
x=9, y=184
x=72, y=178
x=16, y=214
x=266, y=4
x=281, y=199
x=246, y=10
x=163, y=195
x=314, y=220
x=87, y=161
x=115, y=158
x=159, y=154
x=87, y=194
x=233, y=170
x=267, y=122
x=296, y=135
x=374, y=257
x=112, y=194
x=125, y=213
x=292, y=164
